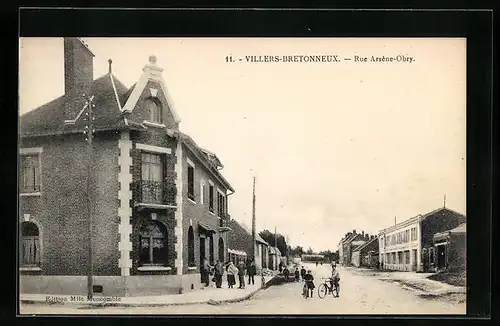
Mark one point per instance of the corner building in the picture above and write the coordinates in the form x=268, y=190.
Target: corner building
x=159, y=201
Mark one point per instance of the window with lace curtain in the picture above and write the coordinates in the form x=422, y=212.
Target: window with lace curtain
x=153, y=245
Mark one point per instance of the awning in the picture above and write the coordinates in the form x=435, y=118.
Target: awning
x=237, y=252
x=205, y=227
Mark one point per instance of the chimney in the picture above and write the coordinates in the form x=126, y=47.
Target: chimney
x=78, y=75
x=354, y=231
x=363, y=234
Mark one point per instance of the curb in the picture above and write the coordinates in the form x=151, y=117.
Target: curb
x=248, y=296
x=117, y=304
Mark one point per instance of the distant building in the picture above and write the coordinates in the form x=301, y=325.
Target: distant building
x=450, y=247
x=348, y=243
x=360, y=253
x=274, y=257
x=408, y=246
x=240, y=245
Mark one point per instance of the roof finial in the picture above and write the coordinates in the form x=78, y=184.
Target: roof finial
x=444, y=201
x=152, y=59
x=110, y=62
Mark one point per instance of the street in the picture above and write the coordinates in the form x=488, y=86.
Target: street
x=359, y=295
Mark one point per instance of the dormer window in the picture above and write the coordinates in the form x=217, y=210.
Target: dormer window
x=154, y=108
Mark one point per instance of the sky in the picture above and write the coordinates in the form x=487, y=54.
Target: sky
x=333, y=146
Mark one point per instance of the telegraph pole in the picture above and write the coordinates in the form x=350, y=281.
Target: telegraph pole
x=89, y=135
x=254, y=236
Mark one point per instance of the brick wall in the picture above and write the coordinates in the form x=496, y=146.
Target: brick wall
x=140, y=112
x=61, y=210
x=194, y=212
x=457, y=252
x=440, y=221
x=239, y=239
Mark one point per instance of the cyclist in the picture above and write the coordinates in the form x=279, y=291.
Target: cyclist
x=334, y=280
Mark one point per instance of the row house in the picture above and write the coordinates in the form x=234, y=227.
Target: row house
x=241, y=245
x=360, y=253
x=158, y=200
x=274, y=258
x=350, y=241
x=408, y=245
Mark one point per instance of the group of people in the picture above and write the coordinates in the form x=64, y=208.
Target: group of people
x=308, y=278
x=232, y=270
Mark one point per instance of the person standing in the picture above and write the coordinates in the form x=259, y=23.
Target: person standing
x=303, y=272
x=281, y=266
x=231, y=272
x=219, y=271
x=309, y=283
x=241, y=274
x=286, y=273
x=251, y=271
x=205, y=272
x=297, y=274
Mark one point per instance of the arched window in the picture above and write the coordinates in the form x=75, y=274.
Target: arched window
x=154, y=108
x=191, y=261
x=153, y=244
x=221, y=249
x=30, y=245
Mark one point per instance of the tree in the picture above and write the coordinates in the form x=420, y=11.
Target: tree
x=297, y=251
x=330, y=255
x=269, y=237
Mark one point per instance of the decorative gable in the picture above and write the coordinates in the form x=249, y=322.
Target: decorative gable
x=150, y=94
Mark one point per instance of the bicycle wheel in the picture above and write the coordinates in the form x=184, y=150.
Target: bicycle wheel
x=322, y=290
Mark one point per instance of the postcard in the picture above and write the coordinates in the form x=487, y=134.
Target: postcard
x=182, y=176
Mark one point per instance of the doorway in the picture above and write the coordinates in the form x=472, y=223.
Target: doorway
x=441, y=256
x=202, y=254
x=221, y=250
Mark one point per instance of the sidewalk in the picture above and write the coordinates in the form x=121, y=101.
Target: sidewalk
x=413, y=281
x=210, y=295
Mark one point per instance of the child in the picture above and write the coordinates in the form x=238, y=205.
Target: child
x=309, y=279
x=334, y=280
x=303, y=272
x=297, y=274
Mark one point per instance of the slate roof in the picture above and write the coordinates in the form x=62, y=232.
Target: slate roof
x=461, y=229
x=258, y=238
x=202, y=155
x=49, y=118
x=365, y=244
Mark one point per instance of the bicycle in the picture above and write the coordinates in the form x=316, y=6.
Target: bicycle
x=305, y=291
x=325, y=288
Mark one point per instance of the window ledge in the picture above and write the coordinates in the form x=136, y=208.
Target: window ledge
x=191, y=201
x=212, y=213
x=192, y=268
x=153, y=268
x=153, y=124
x=30, y=269
x=30, y=194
